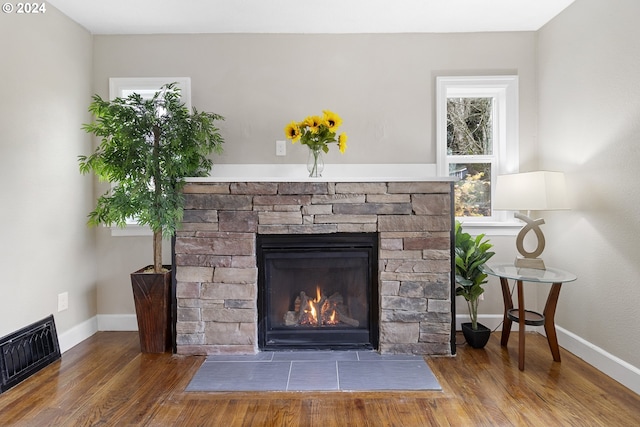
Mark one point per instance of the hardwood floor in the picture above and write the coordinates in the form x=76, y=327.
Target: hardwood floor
x=106, y=381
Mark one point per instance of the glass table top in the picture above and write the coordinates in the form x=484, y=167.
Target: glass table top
x=510, y=271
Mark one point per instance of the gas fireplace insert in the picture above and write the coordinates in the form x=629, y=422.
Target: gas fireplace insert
x=318, y=291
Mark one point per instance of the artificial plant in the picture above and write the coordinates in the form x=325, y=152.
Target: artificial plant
x=147, y=147
x=471, y=253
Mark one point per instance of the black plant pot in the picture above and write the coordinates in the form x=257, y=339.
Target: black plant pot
x=476, y=338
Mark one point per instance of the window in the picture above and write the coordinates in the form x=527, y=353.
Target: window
x=121, y=87
x=146, y=87
x=477, y=140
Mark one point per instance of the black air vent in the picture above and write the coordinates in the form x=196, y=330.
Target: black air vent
x=26, y=351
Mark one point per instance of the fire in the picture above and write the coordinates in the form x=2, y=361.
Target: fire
x=312, y=312
x=322, y=311
x=319, y=311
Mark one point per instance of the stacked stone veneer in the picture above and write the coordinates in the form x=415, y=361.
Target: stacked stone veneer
x=216, y=268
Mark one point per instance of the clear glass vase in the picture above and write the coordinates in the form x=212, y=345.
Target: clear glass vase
x=315, y=162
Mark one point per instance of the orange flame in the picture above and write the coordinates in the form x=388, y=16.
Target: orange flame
x=319, y=315
x=313, y=312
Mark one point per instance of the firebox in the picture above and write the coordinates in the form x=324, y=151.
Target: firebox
x=318, y=291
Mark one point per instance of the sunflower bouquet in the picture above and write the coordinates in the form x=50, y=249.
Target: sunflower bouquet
x=318, y=132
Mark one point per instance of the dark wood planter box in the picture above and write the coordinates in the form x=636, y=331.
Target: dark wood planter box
x=477, y=338
x=151, y=294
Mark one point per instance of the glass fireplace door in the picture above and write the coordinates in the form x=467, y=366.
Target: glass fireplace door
x=316, y=293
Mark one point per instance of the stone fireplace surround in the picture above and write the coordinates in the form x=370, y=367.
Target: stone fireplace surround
x=215, y=255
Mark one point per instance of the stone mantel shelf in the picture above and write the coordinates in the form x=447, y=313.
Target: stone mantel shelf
x=332, y=173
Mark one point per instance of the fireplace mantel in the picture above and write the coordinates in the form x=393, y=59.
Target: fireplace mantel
x=332, y=173
x=215, y=253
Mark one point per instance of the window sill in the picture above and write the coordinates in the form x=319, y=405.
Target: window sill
x=491, y=228
x=131, y=230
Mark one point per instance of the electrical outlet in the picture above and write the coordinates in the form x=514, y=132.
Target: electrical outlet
x=63, y=301
x=281, y=148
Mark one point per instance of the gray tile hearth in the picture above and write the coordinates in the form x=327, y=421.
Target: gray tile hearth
x=314, y=371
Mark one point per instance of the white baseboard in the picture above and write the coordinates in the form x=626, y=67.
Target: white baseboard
x=77, y=334
x=491, y=321
x=117, y=322
x=101, y=322
x=621, y=371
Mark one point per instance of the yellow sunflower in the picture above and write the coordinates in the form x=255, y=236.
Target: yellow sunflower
x=313, y=123
x=332, y=120
x=342, y=142
x=292, y=131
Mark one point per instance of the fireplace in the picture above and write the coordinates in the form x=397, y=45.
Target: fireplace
x=220, y=298
x=317, y=291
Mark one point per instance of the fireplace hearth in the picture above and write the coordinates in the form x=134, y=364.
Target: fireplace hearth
x=317, y=291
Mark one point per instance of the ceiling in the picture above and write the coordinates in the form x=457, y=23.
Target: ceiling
x=309, y=16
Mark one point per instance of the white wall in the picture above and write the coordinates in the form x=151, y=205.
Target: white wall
x=46, y=247
x=589, y=116
x=383, y=86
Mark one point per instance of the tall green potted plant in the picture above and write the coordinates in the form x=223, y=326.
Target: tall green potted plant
x=471, y=253
x=147, y=147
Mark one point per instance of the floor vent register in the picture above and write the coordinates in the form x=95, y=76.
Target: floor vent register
x=26, y=351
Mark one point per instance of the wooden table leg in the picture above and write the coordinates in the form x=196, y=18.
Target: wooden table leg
x=521, y=326
x=549, y=323
x=508, y=305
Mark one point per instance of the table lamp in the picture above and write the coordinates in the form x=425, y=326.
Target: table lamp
x=530, y=191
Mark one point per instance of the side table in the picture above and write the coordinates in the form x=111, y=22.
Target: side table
x=555, y=276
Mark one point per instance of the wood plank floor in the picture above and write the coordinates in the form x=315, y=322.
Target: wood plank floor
x=106, y=381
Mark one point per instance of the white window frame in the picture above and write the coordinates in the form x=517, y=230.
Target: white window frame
x=505, y=159
x=121, y=87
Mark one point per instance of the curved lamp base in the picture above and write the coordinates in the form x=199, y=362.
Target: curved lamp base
x=530, y=259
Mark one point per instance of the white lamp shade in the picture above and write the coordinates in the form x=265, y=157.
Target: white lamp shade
x=531, y=191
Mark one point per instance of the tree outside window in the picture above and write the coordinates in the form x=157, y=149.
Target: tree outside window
x=470, y=134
